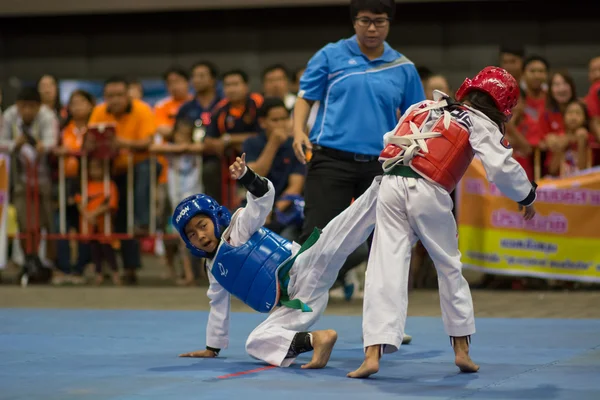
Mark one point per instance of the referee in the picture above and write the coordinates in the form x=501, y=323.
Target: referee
x=362, y=86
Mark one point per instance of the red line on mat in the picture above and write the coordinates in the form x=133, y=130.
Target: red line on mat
x=251, y=371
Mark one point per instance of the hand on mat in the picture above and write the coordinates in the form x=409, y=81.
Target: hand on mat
x=529, y=212
x=238, y=168
x=200, y=354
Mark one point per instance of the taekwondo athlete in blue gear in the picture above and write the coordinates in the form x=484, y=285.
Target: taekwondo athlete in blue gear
x=269, y=273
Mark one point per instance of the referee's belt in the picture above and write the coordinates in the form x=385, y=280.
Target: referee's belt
x=344, y=155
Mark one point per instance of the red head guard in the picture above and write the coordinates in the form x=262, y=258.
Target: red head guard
x=496, y=82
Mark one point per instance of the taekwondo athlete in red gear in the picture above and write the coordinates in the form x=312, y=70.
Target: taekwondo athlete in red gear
x=425, y=157
x=269, y=273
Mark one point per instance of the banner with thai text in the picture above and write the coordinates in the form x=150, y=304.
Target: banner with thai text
x=561, y=242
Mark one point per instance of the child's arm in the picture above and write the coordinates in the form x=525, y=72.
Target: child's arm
x=260, y=196
x=500, y=167
x=217, y=327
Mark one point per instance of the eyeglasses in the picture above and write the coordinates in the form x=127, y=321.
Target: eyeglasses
x=365, y=22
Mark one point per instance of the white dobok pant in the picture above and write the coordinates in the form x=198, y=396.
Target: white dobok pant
x=313, y=274
x=409, y=209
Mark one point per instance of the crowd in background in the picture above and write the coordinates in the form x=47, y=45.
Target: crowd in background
x=192, y=134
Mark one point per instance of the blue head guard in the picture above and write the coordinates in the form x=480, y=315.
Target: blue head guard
x=200, y=204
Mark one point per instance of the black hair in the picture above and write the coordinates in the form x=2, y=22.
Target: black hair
x=116, y=79
x=533, y=58
x=484, y=103
x=29, y=93
x=276, y=67
x=57, y=105
x=177, y=70
x=518, y=51
x=551, y=102
x=586, y=113
x=237, y=72
x=212, y=68
x=424, y=72
x=269, y=104
x=78, y=92
x=375, y=6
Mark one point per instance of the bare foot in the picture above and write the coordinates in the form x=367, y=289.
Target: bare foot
x=323, y=342
x=99, y=280
x=371, y=364
x=462, y=359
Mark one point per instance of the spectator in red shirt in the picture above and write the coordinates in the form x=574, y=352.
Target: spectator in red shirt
x=592, y=100
x=569, y=149
x=511, y=59
x=560, y=93
x=535, y=74
x=523, y=134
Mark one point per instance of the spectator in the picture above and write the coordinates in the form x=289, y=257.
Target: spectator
x=561, y=92
x=435, y=82
x=235, y=117
x=234, y=120
x=136, y=90
x=271, y=154
x=135, y=129
x=569, y=149
x=50, y=94
x=200, y=110
x=592, y=99
x=80, y=108
x=99, y=205
x=511, y=59
x=276, y=83
x=524, y=134
x=184, y=181
x=201, y=107
x=535, y=74
x=177, y=82
x=360, y=100
x=30, y=132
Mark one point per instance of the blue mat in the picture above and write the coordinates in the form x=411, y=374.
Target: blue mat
x=68, y=354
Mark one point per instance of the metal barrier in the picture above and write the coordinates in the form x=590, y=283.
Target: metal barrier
x=32, y=232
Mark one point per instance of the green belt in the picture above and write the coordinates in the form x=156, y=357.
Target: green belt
x=284, y=275
x=404, y=171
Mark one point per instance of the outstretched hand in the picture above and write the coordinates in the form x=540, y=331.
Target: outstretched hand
x=238, y=168
x=529, y=211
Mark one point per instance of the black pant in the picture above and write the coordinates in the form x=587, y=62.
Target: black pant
x=331, y=184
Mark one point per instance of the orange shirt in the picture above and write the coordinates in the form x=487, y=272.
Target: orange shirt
x=95, y=198
x=166, y=112
x=72, y=139
x=138, y=123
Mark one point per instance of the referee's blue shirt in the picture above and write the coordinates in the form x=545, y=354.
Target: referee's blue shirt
x=358, y=97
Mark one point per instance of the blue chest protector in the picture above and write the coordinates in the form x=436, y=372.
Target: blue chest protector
x=251, y=271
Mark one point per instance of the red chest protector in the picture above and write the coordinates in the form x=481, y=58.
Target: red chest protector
x=441, y=154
